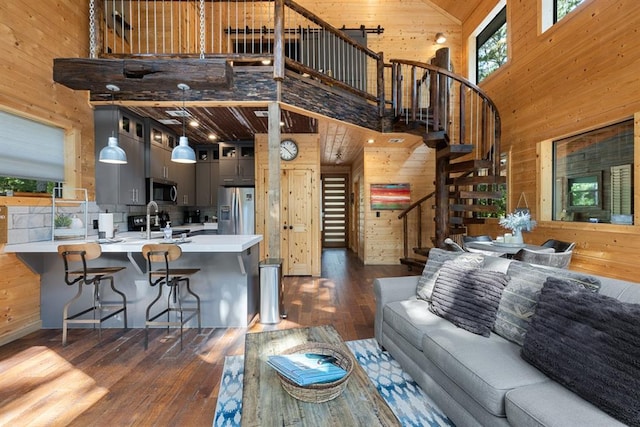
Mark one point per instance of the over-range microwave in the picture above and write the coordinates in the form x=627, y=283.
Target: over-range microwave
x=162, y=191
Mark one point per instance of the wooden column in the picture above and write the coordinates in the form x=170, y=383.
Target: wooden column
x=273, y=182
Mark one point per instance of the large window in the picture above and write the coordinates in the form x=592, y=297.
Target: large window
x=592, y=175
x=491, y=46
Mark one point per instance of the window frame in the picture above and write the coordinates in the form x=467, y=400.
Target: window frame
x=472, y=41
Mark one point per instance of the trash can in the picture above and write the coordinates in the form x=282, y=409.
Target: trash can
x=271, y=291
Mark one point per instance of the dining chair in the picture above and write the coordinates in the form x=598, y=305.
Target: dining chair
x=559, y=245
x=547, y=259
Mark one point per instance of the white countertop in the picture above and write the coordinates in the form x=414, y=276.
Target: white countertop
x=133, y=242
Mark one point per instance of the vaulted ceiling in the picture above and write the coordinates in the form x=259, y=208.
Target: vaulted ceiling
x=460, y=9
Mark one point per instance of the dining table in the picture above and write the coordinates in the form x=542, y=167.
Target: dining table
x=502, y=249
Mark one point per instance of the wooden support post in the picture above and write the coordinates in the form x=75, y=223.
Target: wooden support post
x=442, y=200
x=272, y=222
x=278, y=41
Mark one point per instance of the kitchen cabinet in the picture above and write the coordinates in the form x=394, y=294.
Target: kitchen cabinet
x=207, y=175
x=237, y=163
x=129, y=179
x=160, y=142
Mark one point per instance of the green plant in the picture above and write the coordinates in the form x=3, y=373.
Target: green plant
x=62, y=221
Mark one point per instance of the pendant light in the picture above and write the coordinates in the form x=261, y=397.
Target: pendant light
x=112, y=153
x=182, y=153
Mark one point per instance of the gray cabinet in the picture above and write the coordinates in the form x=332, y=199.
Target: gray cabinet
x=120, y=184
x=207, y=175
x=237, y=163
x=161, y=141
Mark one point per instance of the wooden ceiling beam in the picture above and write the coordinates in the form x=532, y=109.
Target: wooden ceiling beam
x=135, y=75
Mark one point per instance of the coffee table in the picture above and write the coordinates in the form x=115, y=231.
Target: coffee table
x=266, y=403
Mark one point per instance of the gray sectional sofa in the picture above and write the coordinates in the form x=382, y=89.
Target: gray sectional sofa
x=478, y=380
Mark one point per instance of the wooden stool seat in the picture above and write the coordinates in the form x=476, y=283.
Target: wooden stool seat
x=74, y=254
x=163, y=254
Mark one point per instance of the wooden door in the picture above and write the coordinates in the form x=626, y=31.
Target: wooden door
x=296, y=217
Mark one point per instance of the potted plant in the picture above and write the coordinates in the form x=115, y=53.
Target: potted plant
x=518, y=222
x=62, y=221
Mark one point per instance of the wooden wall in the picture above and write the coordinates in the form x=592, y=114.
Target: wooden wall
x=380, y=232
x=579, y=75
x=33, y=34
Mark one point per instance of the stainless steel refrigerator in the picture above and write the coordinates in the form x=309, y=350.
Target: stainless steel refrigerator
x=236, y=210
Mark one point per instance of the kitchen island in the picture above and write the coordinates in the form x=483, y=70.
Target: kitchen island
x=227, y=282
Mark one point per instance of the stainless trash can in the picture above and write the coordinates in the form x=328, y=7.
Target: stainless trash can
x=271, y=291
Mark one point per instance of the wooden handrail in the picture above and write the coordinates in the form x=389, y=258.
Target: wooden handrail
x=415, y=204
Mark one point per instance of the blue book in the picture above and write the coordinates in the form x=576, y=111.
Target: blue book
x=307, y=368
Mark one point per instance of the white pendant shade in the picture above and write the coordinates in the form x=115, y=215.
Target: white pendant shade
x=182, y=153
x=112, y=153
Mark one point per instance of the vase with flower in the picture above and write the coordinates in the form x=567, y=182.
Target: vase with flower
x=518, y=222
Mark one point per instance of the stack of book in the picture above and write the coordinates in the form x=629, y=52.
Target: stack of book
x=307, y=368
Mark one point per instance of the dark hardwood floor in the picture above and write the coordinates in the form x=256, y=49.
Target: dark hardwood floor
x=115, y=382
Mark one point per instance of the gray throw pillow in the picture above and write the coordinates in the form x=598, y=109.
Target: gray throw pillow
x=468, y=297
x=436, y=258
x=520, y=297
x=589, y=343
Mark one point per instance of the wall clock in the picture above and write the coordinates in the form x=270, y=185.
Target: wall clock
x=288, y=149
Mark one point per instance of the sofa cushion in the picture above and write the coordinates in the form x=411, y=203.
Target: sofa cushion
x=436, y=258
x=467, y=296
x=409, y=318
x=550, y=404
x=589, y=343
x=520, y=297
x=485, y=368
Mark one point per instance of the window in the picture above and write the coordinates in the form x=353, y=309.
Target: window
x=562, y=7
x=592, y=175
x=33, y=155
x=491, y=46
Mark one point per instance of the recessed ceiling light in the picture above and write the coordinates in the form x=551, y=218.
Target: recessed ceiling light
x=212, y=136
x=194, y=124
x=371, y=141
x=266, y=62
x=281, y=123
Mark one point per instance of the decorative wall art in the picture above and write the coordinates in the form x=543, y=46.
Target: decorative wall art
x=390, y=196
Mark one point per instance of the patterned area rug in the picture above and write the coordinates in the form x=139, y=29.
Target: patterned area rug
x=405, y=398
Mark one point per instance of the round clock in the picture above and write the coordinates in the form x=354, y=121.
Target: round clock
x=288, y=149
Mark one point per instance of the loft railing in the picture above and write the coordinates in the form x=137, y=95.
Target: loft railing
x=279, y=31
x=446, y=102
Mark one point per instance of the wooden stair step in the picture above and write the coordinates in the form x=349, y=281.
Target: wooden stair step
x=454, y=151
x=473, y=208
x=437, y=140
x=470, y=165
x=413, y=262
x=494, y=195
x=475, y=180
x=459, y=220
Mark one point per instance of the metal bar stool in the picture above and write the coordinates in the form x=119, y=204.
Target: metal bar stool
x=74, y=255
x=161, y=254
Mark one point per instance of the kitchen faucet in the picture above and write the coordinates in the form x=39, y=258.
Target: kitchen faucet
x=155, y=205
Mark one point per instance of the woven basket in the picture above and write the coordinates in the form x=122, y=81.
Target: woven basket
x=323, y=392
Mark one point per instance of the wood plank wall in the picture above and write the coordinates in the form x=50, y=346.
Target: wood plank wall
x=33, y=34
x=308, y=158
x=579, y=75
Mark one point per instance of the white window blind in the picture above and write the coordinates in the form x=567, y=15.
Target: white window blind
x=621, y=190
x=30, y=150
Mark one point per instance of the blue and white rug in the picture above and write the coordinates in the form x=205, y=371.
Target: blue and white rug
x=405, y=398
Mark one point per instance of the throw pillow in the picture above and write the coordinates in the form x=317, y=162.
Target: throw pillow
x=520, y=297
x=436, y=258
x=589, y=343
x=467, y=296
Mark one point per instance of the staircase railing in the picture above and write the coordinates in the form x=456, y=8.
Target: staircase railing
x=417, y=224
x=445, y=102
x=246, y=31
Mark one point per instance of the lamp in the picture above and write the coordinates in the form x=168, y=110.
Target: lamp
x=440, y=38
x=112, y=153
x=182, y=153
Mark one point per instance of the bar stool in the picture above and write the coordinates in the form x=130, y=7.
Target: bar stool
x=74, y=273
x=161, y=254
